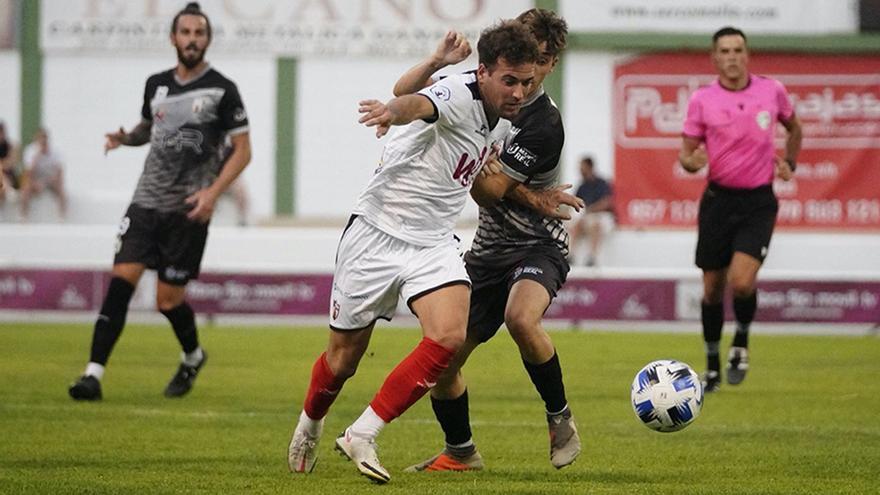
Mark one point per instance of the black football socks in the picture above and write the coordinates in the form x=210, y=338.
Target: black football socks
x=110, y=320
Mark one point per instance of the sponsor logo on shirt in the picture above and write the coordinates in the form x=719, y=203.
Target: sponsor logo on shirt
x=521, y=154
x=468, y=167
x=184, y=138
x=240, y=115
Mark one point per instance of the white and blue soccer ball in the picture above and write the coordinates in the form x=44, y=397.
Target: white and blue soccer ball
x=667, y=395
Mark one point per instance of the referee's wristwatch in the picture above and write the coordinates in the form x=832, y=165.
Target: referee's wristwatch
x=792, y=164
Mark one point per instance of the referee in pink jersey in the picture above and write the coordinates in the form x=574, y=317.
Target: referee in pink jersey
x=730, y=127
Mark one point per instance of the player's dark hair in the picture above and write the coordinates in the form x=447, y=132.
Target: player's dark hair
x=546, y=26
x=510, y=40
x=191, y=8
x=728, y=31
x=587, y=159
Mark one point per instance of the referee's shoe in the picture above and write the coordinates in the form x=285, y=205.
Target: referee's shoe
x=183, y=380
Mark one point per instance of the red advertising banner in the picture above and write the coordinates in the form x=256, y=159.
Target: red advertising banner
x=837, y=98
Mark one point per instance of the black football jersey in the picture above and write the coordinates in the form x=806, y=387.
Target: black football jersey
x=531, y=155
x=189, y=124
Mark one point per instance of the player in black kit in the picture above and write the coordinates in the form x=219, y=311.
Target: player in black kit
x=517, y=261
x=187, y=113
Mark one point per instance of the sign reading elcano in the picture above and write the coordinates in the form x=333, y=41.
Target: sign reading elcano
x=274, y=27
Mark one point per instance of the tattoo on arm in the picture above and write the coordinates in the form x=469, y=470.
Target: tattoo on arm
x=139, y=135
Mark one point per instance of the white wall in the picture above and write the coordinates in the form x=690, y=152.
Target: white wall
x=10, y=92
x=335, y=155
x=587, y=84
x=86, y=96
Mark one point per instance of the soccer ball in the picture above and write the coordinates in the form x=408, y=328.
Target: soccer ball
x=667, y=395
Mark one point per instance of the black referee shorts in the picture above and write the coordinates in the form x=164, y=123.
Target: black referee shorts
x=167, y=242
x=733, y=220
x=490, y=286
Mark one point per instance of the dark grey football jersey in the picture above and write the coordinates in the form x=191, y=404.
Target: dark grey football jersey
x=531, y=155
x=189, y=124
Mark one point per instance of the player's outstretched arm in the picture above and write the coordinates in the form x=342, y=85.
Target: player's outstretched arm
x=398, y=111
x=453, y=48
x=138, y=136
x=548, y=202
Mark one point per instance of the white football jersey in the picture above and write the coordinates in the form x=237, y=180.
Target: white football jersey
x=427, y=169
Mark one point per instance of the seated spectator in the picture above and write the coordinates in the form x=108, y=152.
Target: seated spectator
x=42, y=170
x=8, y=164
x=597, y=218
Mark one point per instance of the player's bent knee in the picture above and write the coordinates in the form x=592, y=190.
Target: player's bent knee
x=344, y=365
x=451, y=339
x=520, y=323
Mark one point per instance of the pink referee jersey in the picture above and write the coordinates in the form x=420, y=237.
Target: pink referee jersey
x=738, y=128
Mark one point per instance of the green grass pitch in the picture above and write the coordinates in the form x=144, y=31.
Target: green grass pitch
x=806, y=420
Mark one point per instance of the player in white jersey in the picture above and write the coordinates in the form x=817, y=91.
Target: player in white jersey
x=400, y=242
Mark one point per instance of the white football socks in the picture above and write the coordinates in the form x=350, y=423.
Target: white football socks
x=94, y=369
x=368, y=425
x=311, y=426
x=193, y=358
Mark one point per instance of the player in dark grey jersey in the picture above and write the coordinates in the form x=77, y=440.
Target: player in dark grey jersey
x=187, y=113
x=517, y=261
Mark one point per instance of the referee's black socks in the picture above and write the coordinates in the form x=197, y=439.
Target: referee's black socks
x=712, y=316
x=110, y=320
x=744, y=308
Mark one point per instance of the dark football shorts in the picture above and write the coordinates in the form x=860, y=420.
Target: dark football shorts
x=490, y=287
x=732, y=220
x=167, y=242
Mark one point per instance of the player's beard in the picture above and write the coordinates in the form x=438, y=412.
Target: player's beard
x=190, y=62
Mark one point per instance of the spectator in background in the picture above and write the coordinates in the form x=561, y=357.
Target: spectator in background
x=43, y=169
x=8, y=172
x=597, y=218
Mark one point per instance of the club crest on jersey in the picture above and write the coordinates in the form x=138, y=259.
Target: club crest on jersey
x=763, y=119
x=198, y=104
x=468, y=167
x=441, y=92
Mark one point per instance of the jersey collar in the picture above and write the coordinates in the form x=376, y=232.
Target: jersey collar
x=193, y=79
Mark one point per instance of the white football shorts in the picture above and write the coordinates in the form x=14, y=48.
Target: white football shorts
x=375, y=269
